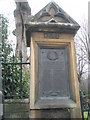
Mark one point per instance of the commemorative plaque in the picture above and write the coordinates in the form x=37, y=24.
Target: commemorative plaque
x=53, y=73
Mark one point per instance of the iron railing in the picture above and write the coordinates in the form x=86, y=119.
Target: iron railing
x=85, y=106
x=15, y=77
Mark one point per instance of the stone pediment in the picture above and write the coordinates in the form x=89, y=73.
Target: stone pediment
x=52, y=13
x=51, y=18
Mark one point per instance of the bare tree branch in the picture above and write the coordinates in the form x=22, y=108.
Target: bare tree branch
x=82, y=51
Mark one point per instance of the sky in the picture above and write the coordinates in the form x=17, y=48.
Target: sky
x=77, y=9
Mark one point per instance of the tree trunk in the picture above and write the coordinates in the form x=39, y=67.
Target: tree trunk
x=21, y=13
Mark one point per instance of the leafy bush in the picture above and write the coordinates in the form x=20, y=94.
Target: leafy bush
x=11, y=73
x=15, y=80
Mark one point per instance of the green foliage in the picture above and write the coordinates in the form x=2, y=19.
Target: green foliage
x=14, y=87
x=6, y=46
x=25, y=86
x=11, y=73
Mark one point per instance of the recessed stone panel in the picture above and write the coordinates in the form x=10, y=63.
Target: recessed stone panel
x=53, y=79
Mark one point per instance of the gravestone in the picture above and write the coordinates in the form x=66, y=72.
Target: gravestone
x=54, y=91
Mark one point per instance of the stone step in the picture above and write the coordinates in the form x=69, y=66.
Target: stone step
x=16, y=115
x=15, y=108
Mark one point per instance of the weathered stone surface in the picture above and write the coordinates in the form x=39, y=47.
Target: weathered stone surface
x=52, y=13
x=53, y=113
x=54, y=83
x=53, y=73
x=16, y=109
x=51, y=16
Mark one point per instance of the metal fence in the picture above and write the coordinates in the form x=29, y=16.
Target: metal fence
x=15, y=77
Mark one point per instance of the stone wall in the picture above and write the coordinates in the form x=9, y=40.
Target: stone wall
x=16, y=108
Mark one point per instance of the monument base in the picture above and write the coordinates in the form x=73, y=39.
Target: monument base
x=50, y=113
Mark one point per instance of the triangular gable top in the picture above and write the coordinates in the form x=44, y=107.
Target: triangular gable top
x=53, y=13
x=51, y=18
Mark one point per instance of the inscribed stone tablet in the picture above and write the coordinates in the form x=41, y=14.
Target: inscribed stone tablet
x=53, y=73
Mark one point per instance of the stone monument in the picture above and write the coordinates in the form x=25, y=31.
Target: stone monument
x=54, y=91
